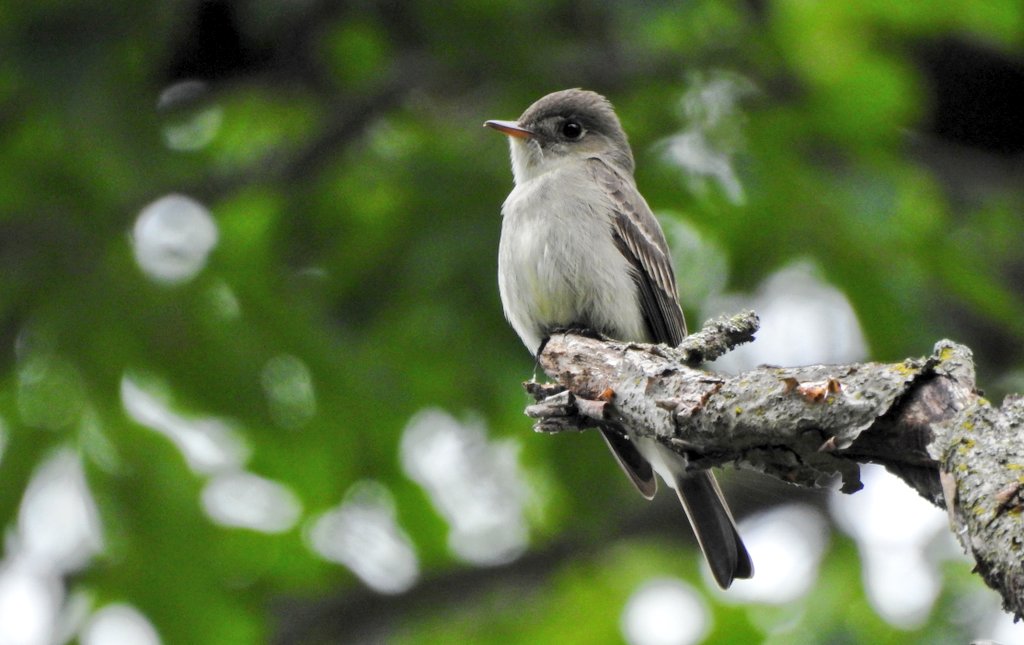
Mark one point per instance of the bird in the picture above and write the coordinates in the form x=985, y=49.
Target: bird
x=581, y=249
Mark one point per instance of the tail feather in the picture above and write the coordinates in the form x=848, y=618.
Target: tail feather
x=714, y=527
x=632, y=462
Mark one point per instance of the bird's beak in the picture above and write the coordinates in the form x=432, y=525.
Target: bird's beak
x=511, y=128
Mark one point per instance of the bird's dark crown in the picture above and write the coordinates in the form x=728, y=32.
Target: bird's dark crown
x=591, y=110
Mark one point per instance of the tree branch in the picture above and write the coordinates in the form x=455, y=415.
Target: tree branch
x=921, y=418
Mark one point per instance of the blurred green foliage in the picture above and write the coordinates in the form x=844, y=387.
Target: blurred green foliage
x=357, y=200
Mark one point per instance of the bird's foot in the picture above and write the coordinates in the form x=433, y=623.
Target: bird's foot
x=579, y=330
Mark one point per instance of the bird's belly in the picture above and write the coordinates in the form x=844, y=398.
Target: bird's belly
x=537, y=284
x=550, y=281
x=563, y=269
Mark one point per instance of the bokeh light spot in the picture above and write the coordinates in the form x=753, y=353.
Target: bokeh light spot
x=665, y=611
x=172, y=238
x=288, y=386
x=363, y=534
x=223, y=301
x=208, y=444
x=706, y=148
x=474, y=483
x=58, y=523
x=29, y=604
x=244, y=500
x=804, y=320
x=191, y=119
x=893, y=527
x=787, y=544
x=119, y=624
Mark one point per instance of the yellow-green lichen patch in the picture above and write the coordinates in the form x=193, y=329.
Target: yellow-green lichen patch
x=906, y=368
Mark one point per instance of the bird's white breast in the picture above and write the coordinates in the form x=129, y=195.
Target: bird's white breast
x=557, y=262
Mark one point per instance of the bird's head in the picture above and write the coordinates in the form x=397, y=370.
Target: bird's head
x=571, y=125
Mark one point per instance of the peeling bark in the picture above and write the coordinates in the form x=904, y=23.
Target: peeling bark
x=812, y=426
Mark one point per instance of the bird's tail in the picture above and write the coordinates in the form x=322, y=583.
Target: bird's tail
x=714, y=527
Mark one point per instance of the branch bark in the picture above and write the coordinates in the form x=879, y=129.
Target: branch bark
x=812, y=426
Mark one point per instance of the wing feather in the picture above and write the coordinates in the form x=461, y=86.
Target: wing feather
x=641, y=241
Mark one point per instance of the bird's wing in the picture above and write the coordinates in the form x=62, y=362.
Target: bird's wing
x=640, y=239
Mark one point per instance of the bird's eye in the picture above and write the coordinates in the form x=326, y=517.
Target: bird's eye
x=572, y=130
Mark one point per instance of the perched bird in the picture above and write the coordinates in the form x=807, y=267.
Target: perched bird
x=581, y=249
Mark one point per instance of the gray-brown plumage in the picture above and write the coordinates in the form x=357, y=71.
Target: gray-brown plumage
x=580, y=248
